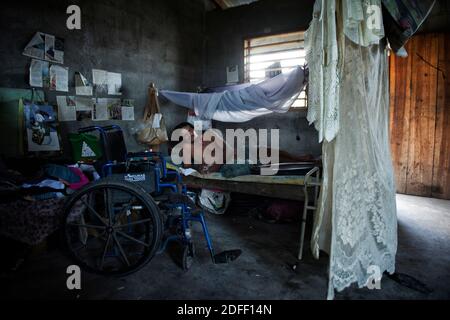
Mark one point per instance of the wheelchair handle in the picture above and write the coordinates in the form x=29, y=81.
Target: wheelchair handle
x=90, y=129
x=98, y=128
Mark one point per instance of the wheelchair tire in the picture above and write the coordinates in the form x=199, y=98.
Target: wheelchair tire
x=188, y=256
x=116, y=244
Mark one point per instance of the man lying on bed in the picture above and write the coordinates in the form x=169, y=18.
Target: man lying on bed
x=196, y=159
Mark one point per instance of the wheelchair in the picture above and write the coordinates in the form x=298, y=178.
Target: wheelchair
x=116, y=225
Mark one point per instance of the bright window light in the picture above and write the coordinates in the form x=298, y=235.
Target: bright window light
x=267, y=56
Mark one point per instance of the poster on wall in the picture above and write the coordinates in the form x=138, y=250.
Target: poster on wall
x=36, y=47
x=40, y=126
x=115, y=109
x=114, y=84
x=100, y=110
x=100, y=81
x=127, y=113
x=84, y=108
x=82, y=85
x=45, y=47
x=58, y=54
x=59, y=78
x=39, y=74
x=66, y=108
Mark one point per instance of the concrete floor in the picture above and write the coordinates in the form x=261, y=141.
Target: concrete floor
x=264, y=271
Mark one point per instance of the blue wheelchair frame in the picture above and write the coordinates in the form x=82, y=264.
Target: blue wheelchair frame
x=161, y=173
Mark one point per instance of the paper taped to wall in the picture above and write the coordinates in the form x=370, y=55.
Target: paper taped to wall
x=45, y=47
x=59, y=78
x=82, y=85
x=114, y=83
x=66, y=108
x=39, y=73
x=127, y=113
x=100, y=110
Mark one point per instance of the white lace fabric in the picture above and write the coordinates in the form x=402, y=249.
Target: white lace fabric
x=322, y=54
x=356, y=222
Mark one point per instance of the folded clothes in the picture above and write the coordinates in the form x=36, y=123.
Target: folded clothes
x=83, y=180
x=61, y=172
x=47, y=183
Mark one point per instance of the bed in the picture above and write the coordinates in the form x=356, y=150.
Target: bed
x=290, y=187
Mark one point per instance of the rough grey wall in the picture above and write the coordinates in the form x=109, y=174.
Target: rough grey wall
x=146, y=41
x=226, y=31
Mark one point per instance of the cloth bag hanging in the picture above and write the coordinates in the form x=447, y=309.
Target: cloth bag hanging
x=154, y=130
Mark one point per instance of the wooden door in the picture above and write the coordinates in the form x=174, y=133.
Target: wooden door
x=420, y=115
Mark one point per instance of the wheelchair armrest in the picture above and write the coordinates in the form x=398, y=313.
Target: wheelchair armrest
x=144, y=154
x=112, y=127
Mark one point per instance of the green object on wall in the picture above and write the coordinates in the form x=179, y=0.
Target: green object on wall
x=92, y=142
x=11, y=119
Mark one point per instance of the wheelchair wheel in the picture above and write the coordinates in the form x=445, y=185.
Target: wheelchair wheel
x=111, y=227
x=188, y=256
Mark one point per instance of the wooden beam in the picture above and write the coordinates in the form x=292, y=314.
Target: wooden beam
x=423, y=115
x=441, y=170
x=400, y=96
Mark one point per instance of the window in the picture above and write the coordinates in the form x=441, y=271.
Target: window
x=267, y=56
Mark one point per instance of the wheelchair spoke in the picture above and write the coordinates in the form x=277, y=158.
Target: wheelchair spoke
x=91, y=226
x=124, y=210
x=84, y=246
x=124, y=256
x=132, y=223
x=104, y=251
x=112, y=227
x=95, y=213
x=108, y=205
x=133, y=239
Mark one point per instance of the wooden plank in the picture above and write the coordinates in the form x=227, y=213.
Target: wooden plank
x=441, y=170
x=400, y=99
x=279, y=191
x=423, y=115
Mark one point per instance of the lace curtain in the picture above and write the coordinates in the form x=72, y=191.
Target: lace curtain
x=356, y=222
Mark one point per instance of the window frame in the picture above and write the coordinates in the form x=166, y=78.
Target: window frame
x=247, y=54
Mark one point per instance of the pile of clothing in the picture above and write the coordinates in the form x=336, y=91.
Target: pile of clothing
x=32, y=198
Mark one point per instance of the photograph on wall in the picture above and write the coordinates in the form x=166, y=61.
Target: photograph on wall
x=49, y=47
x=36, y=47
x=114, y=84
x=39, y=74
x=45, y=47
x=100, y=81
x=40, y=125
x=84, y=108
x=59, y=78
x=66, y=108
x=115, y=109
x=58, y=54
x=100, y=110
x=127, y=113
x=82, y=85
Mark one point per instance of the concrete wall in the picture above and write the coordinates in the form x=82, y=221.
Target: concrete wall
x=173, y=43
x=225, y=34
x=146, y=41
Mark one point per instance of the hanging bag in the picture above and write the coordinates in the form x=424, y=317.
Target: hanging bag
x=154, y=130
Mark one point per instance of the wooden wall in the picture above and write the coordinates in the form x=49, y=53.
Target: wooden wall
x=420, y=117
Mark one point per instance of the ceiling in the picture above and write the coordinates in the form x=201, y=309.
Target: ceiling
x=226, y=4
